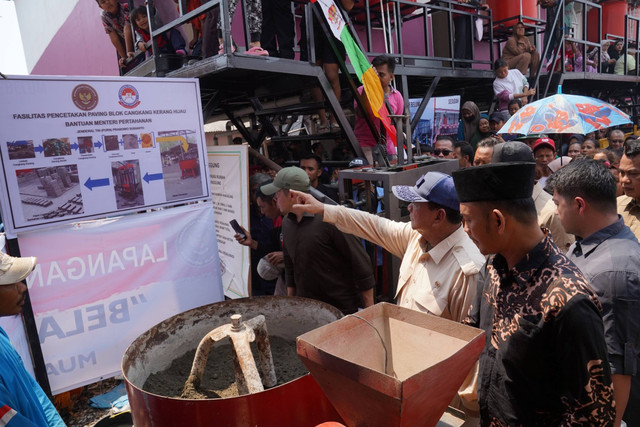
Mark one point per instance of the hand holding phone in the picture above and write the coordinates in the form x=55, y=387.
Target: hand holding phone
x=236, y=227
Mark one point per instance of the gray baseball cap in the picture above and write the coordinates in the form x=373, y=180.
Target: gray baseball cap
x=292, y=178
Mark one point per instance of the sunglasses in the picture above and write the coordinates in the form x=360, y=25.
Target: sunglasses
x=444, y=152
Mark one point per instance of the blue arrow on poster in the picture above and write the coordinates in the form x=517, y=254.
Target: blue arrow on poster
x=74, y=146
x=91, y=183
x=152, y=176
x=97, y=144
x=38, y=149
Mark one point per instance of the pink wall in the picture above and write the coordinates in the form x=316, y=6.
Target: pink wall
x=80, y=47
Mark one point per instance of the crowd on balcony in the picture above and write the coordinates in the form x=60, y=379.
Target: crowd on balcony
x=271, y=26
x=610, y=57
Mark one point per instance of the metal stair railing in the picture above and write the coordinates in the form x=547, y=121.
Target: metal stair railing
x=547, y=45
x=558, y=49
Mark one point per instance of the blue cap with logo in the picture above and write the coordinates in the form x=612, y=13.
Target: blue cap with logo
x=435, y=187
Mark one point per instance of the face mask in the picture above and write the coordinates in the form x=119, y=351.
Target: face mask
x=468, y=119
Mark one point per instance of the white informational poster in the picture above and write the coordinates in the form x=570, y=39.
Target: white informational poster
x=440, y=117
x=88, y=147
x=99, y=284
x=229, y=174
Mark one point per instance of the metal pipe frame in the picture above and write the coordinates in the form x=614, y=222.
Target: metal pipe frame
x=394, y=12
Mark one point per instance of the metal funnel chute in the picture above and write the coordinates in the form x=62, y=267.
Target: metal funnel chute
x=390, y=366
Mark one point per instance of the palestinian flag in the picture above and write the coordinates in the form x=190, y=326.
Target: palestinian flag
x=365, y=72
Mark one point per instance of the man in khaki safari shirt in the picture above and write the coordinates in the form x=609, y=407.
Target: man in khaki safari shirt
x=440, y=263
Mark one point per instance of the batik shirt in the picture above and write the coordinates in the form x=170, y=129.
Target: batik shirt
x=545, y=360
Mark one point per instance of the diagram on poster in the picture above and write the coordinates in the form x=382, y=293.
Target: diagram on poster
x=127, y=184
x=73, y=150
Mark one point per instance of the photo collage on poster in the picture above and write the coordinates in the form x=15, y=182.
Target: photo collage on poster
x=56, y=190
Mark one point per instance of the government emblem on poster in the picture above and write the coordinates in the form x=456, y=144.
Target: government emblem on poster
x=128, y=97
x=84, y=97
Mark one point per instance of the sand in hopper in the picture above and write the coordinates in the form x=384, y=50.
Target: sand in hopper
x=218, y=380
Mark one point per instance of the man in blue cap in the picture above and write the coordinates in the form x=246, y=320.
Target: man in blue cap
x=440, y=264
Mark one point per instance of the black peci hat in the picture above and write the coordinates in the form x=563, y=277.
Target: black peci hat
x=499, y=181
x=512, y=151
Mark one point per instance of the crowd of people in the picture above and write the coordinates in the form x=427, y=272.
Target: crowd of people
x=611, y=57
x=551, y=275
x=547, y=264
x=270, y=24
x=534, y=239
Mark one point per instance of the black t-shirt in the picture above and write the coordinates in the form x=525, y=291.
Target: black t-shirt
x=323, y=263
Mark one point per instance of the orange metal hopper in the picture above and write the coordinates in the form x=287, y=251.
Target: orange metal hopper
x=426, y=358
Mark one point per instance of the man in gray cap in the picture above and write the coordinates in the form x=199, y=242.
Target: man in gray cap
x=439, y=265
x=22, y=400
x=320, y=261
x=545, y=359
x=516, y=151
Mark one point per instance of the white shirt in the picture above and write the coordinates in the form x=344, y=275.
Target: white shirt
x=515, y=82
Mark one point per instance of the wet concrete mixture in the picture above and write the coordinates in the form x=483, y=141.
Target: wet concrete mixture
x=219, y=377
